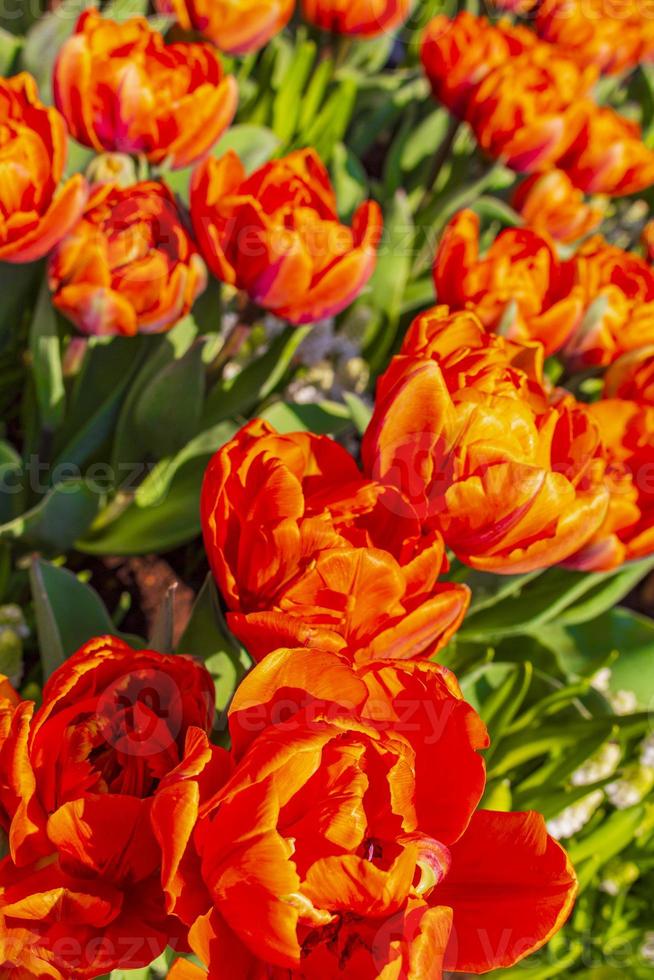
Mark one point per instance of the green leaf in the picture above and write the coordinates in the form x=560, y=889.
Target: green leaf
x=349, y=181
x=108, y=368
x=360, y=411
x=129, y=449
x=121, y=10
x=18, y=286
x=622, y=638
x=611, y=837
x=549, y=596
x=53, y=525
x=389, y=281
x=255, y=145
x=10, y=47
x=45, y=348
x=208, y=638
x=315, y=93
x=50, y=643
x=240, y=395
x=69, y=613
x=286, y=106
x=323, y=418
x=11, y=483
x=330, y=125
x=164, y=513
x=164, y=422
x=494, y=209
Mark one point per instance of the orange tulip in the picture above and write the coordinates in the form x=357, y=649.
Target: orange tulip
x=588, y=33
x=234, y=26
x=619, y=299
x=120, y=87
x=550, y=204
x=458, y=54
x=276, y=234
x=520, y=288
x=627, y=429
x=647, y=239
x=464, y=427
x=35, y=211
x=339, y=837
x=529, y=111
x=631, y=376
x=362, y=18
x=305, y=551
x=80, y=889
x=129, y=265
x=608, y=155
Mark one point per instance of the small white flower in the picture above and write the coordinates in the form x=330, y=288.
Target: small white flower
x=600, y=766
x=601, y=680
x=571, y=820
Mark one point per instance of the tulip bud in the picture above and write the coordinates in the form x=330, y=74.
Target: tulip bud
x=112, y=168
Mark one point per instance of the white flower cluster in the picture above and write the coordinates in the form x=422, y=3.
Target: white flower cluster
x=571, y=820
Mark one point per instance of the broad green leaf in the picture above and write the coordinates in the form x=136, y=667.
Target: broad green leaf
x=63, y=515
x=11, y=483
x=240, y=395
x=553, y=593
x=286, y=106
x=121, y=10
x=168, y=410
x=621, y=637
x=18, y=286
x=10, y=47
x=95, y=403
x=349, y=181
x=388, y=281
x=360, y=411
x=50, y=644
x=208, y=638
x=45, y=349
x=323, y=418
x=69, y=612
x=165, y=510
x=330, y=124
x=611, y=837
x=160, y=351
x=315, y=93
x=255, y=145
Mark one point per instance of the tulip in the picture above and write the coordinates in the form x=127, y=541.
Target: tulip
x=529, y=111
x=129, y=265
x=340, y=837
x=276, y=235
x=36, y=210
x=234, y=26
x=121, y=88
x=551, y=205
x=520, y=288
x=458, y=54
x=619, y=299
x=631, y=376
x=80, y=889
x=305, y=551
x=361, y=18
x=627, y=429
x=588, y=34
x=465, y=427
x=608, y=155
